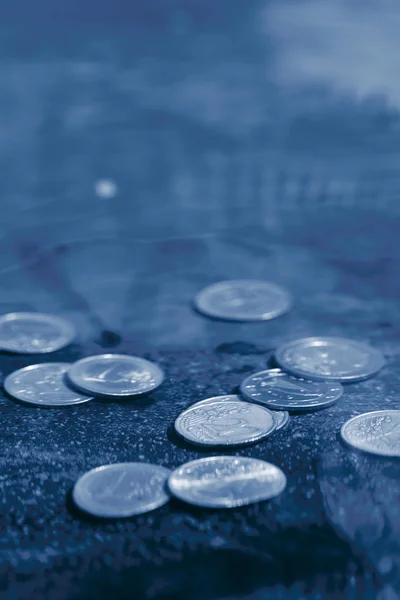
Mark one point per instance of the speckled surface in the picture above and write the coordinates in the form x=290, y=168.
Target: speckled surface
x=301, y=187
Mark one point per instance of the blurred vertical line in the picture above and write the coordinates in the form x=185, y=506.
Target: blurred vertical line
x=216, y=176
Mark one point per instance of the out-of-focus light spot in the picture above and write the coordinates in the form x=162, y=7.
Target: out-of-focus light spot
x=105, y=188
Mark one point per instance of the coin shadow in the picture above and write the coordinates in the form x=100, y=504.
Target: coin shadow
x=139, y=402
x=180, y=442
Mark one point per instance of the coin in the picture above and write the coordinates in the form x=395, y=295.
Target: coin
x=330, y=359
x=43, y=385
x=122, y=489
x=377, y=432
x=226, y=481
x=281, y=416
x=243, y=300
x=276, y=389
x=115, y=375
x=34, y=333
x=226, y=421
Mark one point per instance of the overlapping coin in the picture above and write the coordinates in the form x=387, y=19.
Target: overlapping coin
x=376, y=432
x=330, y=359
x=43, y=385
x=276, y=389
x=122, y=489
x=115, y=375
x=225, y=421
x=34, y=333
x=243, y=300
x=226, y=481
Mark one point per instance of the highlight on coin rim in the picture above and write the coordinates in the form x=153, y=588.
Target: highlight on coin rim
x=360, y=448
x=67, y=330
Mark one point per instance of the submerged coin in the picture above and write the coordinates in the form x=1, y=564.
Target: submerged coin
x=43, y=385
x=276, y=389
x=226, y=421
x=330, y=359
x=243, y=300
x=226, y=481
x=377, y=432
x=122, y=489
x=115, y=375
x=34, y=333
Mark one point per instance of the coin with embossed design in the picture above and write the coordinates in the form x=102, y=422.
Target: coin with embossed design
x=115, y=375
x=34, y=333
x=243, y=300
x=226, y=481
x=122, y=489
x=43, y=385
x=330, y=359
x=225, y=421
x=377, y=432
x=276, y=389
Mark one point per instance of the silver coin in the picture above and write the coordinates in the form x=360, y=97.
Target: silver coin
x=115, y=375
x=377, y=432
x=122, y=489
x=330, y=359
x=276, y=389
x=243, y=300
x=43, y=385
x=227, y=421
x=281, y=416
x=34, y=333
x=226, y=481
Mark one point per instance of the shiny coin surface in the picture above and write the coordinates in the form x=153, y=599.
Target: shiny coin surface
x=43, y=385
x=330, y=359
x=276, y=389
x=281, y=416
x=115, y=375
x=226, y=481
x=376, y=432
x=34, y=333
x=122, y=489
x=243, y=300
x=225, y=421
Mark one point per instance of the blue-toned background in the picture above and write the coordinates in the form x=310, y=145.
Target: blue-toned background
x=243, y=139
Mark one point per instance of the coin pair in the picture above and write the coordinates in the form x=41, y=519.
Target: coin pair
x=63, y=384
x=127, y=489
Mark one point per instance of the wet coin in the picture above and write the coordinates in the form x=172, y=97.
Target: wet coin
x=34, y=333
x=226, y=481
x=276, y=389
x=243, y=300
x=43, y=385
x=377, y=432
x=330, y=359
x=226, y=421
x=281, y=416
x=115, y=375
x=122, y=489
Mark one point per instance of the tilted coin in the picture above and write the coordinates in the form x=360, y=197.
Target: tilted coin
x=281, y=416
x=227, y=421
x=276, y=389
x=43, y=385
x=330, y=359
x=226, y=481
x=115, y=375
x=243, y=300
x=122, y=489
x=377, y=432
x=34, y=333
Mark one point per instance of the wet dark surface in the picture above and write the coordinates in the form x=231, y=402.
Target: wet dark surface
x=234, y=155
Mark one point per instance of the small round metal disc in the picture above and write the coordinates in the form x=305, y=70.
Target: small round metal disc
x=376, y=432
x=225, y=421
x=276, y=389
x=43, y=385
x=122, y=489
x=330, y=359
x=226, y=481
x=115, y=375
x=34, y=333
x=243, y=300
